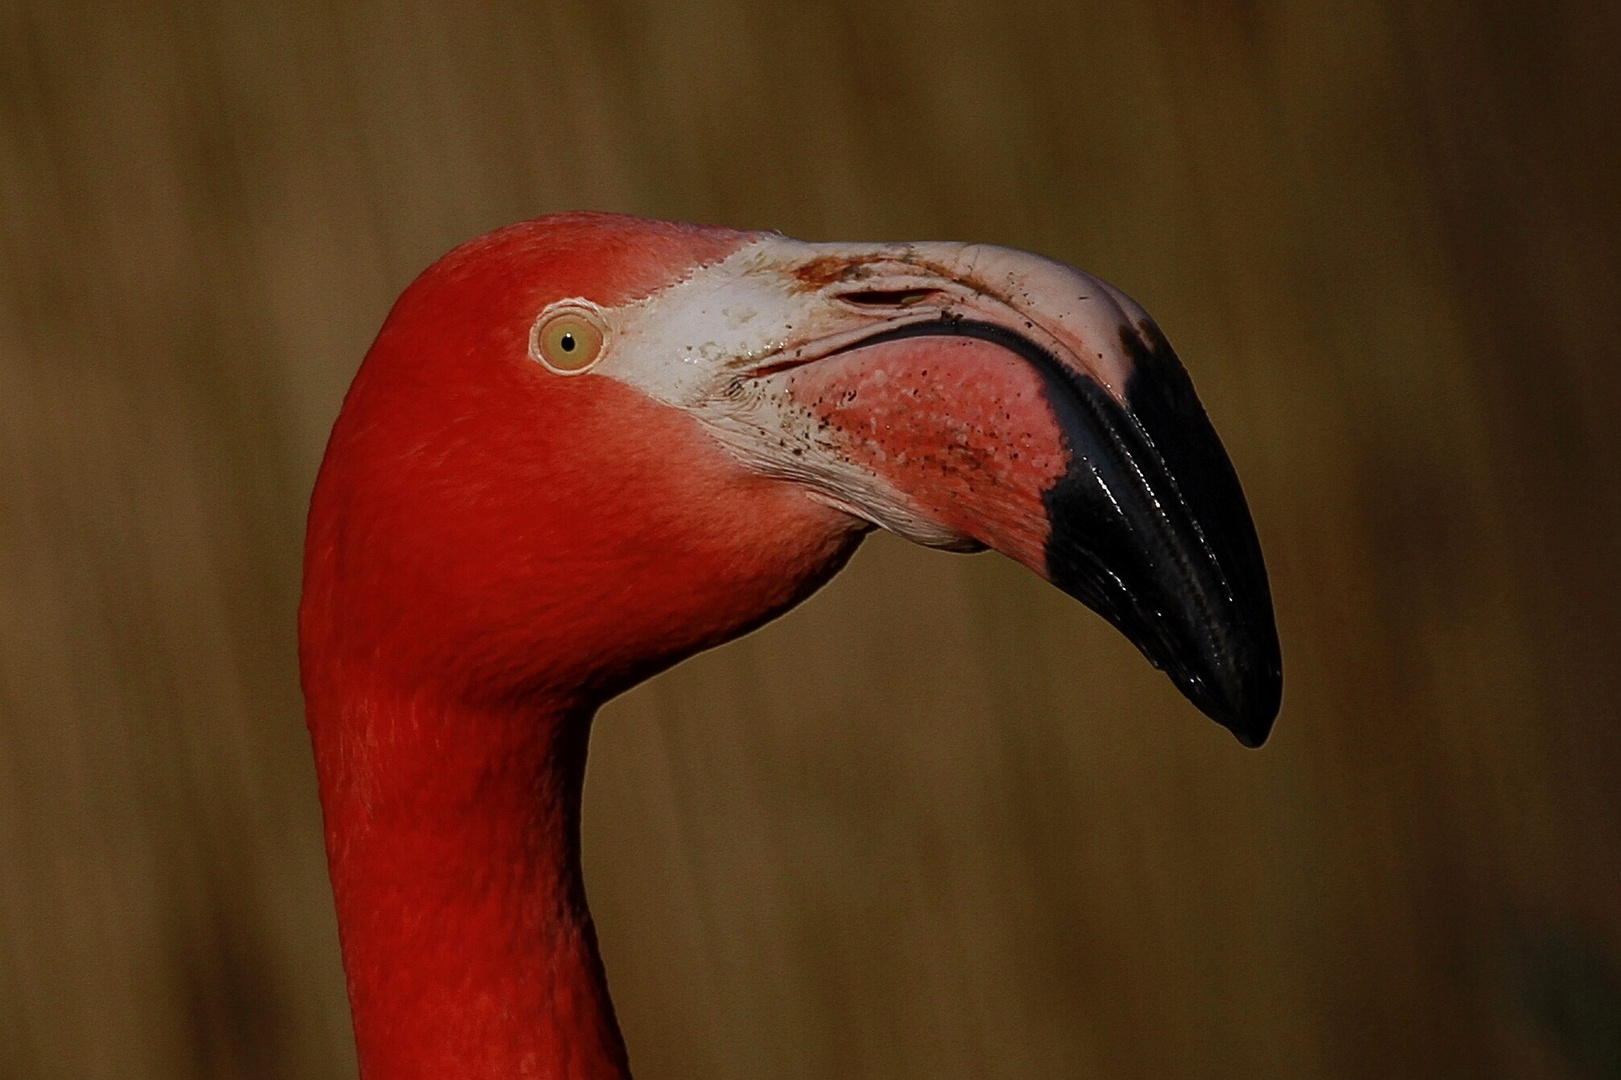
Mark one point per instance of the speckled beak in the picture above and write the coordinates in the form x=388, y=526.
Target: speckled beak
x=1144, y=518
x=1141, y=516
x=969, y=395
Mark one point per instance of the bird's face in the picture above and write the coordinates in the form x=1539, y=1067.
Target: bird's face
x=705, y=436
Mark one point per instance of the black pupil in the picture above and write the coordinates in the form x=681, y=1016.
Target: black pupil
x=567, y=342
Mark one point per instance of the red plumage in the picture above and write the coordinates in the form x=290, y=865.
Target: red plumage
x=496, y=547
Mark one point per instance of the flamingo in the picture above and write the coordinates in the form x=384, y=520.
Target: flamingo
x=584, y=447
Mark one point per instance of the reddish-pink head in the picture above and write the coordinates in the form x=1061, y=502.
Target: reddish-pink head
x=584, y=447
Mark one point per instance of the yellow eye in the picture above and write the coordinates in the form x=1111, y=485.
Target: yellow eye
x=567, y=338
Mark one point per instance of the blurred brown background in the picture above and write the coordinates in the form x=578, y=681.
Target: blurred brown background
x=940, y=822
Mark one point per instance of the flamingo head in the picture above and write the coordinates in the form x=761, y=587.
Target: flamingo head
x=584, y=447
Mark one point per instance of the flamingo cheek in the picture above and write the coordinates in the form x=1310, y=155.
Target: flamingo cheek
x=960, y=428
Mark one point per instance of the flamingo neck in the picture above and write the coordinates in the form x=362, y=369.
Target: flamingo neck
x=453, y=837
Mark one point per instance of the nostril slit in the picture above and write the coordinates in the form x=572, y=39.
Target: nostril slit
x=887, y=297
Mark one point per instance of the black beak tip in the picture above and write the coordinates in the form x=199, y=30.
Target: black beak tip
x=1237, y=677
x=1242, y=692
x=1250, y=717
x=1252, y=737
x=1223, y=628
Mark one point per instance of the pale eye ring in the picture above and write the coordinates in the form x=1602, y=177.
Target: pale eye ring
x=568, y=337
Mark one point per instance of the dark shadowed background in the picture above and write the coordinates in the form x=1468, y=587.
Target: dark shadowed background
x=941, y=822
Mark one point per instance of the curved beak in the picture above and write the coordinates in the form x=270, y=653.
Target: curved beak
x=1150, y=528
x=967, y=395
